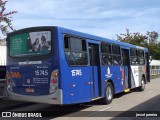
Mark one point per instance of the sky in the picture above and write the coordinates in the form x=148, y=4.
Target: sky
x=104, y=18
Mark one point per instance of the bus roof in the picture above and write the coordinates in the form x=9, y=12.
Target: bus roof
x=86, y=36
x=89, y=36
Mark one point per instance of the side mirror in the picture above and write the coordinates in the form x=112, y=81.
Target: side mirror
x=150, y=59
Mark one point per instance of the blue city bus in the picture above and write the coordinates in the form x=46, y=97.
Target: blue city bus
x=59, y=66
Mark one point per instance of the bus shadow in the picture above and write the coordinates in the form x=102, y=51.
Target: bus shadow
x=77, y=110
x=150, y=106
x=62, y=111
x=74, y=110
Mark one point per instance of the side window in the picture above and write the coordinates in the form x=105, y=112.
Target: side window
x=75, y=44
x=106, y=56
x=116, y=55
x=134, y=58
x=66, y=43
x=75, y=51
x=141, y=59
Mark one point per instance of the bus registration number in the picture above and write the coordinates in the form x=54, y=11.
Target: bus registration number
x=41, y=72
x=29, y=90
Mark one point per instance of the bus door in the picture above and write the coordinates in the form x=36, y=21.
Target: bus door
x=126, y=69
x=95, y=69
x=147, y=67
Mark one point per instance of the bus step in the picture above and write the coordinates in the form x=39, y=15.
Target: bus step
x=126, y=90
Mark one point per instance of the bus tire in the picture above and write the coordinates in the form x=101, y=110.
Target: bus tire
x=108, y=93
x=142, y=87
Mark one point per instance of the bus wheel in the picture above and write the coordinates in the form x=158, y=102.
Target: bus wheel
x=142, y=87
x=108, y=93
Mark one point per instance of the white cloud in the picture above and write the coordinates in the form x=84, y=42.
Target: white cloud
x=104, y=18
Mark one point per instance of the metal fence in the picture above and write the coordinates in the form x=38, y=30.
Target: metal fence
x=155, y=72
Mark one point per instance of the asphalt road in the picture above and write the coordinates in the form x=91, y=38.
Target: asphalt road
x=127, y=106
x=123, y=107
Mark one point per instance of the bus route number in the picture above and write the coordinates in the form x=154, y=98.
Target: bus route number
x=41, y=72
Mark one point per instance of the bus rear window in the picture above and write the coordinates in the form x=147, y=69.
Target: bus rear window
x=30, y=44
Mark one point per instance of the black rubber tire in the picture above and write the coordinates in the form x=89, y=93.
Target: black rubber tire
x=108, y=94
x=142, y=87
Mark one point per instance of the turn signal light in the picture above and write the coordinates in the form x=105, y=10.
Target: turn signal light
x=54, y=74
x=7, y=75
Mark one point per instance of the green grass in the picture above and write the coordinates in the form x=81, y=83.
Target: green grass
x=155, y=76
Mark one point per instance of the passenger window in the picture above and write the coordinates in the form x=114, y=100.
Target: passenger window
x=75, y=51
x=137, y=57
x=141, y=59
x=66, y=43
x=106, y=57
x=134, y=58
x=117, y=60
x=116, y=55
x=105, y=48
x=116, y=50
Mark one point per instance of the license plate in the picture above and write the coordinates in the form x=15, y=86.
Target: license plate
x=29, y=90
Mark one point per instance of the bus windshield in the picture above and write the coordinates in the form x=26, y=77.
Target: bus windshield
x=30, y=44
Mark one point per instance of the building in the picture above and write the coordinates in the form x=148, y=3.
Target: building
x=3, y=59
x=155, y=67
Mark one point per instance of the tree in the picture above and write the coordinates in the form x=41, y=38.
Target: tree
x=5, y=19
x=133, y=38
x=148, y=40
x=152, y=37
x=154, y=45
